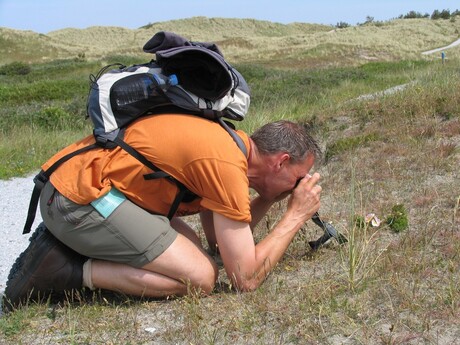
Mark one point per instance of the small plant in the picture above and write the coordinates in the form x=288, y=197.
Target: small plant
x=398, y=220
x=371, y=220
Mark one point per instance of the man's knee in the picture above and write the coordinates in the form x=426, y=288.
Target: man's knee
x=207, y=278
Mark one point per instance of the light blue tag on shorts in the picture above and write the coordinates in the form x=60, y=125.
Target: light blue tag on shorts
x=107, y=203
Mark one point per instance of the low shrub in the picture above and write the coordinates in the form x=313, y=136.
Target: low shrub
x=15, y=68
x=398, y=220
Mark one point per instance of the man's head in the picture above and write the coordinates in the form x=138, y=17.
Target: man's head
x=285, y=153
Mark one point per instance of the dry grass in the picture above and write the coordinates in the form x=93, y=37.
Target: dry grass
x=246, y=40
x=380, y=288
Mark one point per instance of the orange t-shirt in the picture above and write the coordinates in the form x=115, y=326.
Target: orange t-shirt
x=197, y=152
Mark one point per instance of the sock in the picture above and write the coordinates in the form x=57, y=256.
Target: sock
x=87, y=280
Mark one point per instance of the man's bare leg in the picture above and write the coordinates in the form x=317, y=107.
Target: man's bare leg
x=181, y=267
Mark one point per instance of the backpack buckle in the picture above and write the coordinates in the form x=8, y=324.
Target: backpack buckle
x=40, y=179
x=104, y=142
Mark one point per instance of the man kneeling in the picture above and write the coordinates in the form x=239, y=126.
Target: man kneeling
x=106, y=223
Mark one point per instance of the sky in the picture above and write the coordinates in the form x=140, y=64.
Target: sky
x=43, y=16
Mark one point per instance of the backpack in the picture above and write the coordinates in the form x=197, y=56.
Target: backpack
x=186, y=77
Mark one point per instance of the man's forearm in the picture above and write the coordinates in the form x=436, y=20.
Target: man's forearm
x=246, y=264
x=271, y=249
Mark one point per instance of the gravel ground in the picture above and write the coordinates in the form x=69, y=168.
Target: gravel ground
x=14, y=202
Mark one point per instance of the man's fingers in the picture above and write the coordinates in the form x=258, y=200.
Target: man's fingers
x=311, y=180
x=317, y=189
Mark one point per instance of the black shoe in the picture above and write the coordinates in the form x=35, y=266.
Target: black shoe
x=46, y=266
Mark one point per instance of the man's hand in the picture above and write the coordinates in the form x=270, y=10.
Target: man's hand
x=305, y=199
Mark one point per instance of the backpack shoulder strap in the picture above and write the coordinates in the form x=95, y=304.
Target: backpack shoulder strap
x=158, y=173
x=40, y=179
x=234, y=136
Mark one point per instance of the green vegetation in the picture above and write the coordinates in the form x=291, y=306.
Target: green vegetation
x=15, y=68
x=51, y=100
x=398, y=219
x=437, y=14
x=342, y=145
x=43, y=111
x=394, y=154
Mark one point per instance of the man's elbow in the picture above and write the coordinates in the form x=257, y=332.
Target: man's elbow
x=248, y=285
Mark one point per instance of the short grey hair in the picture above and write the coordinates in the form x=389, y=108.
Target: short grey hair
x=286, y=136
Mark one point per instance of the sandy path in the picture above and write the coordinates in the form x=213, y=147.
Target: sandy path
x=453, y=44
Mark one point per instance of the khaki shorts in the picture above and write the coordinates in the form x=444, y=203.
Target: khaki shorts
x=129, y=235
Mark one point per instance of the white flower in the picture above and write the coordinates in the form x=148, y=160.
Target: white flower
x=373, y=220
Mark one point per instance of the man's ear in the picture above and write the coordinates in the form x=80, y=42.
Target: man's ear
x=282, y=159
